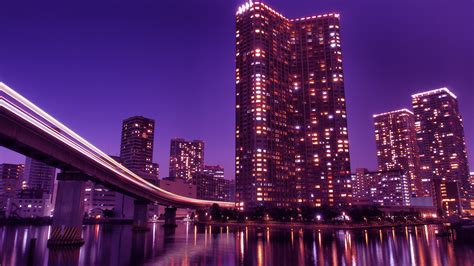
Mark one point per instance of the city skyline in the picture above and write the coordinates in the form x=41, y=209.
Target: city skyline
x=360, y=124
x=247, y=132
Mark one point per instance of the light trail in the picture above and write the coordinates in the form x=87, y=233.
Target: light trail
x=35, y=116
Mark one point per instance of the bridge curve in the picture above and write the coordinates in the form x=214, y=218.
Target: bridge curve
x=27, y=129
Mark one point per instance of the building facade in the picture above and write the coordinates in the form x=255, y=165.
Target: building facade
x=136, y=149
x=11, y=176
x=382, y=188
x=178, y=186
x=471, y=180
x=211, y=184
x=448, y=194
x=395, y=139
x=186, y=158
x=181, y=187
x=31, y=203
x=231, y=190
x=39, y=175
x=136, y=154
x=441, y=143
x=97, y=197
x=291, y=125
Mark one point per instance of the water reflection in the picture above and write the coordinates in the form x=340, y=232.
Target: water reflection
x=227, y=245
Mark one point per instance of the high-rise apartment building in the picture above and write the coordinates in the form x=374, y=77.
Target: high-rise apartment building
x=136, y=154
x=440, y=138
x=186, y=158
x=395, y=139
x=291, y=124
x=39, y=175
x=323, y=162
x=136, y=150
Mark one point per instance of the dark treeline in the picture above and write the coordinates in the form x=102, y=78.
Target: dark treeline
x=306, y=214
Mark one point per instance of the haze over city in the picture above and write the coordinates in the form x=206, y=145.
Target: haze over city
x=92, y=65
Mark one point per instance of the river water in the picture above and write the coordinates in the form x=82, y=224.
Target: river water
x=221, y=245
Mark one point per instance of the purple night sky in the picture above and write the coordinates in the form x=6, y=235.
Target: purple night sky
x=95, y=63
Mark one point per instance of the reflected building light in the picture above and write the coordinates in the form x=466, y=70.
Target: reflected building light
x=366, y=238
x=242, y=245
x=195, y=235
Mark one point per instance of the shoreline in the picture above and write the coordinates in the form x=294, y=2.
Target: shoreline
x=233, y=224
x=313, y=226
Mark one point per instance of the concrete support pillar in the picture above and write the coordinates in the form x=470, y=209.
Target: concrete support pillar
x=140, y=216
x=69, y=210
x=170, y=216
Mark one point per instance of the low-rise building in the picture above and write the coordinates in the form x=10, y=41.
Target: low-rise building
x=11, y=176
x=383, y=188
x=211, y=184
x=181, y=187
x=31, y=203
x=178, y=186
x=97, y=196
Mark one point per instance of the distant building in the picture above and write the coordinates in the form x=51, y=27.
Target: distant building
x=31, y=203
x=136, y=150
x=97, y=196
x=441, y=144
x=231, y=190
x=291, y=133
x=395, y=139
x=11, y=176
x=156, y=171
x=186, y=158
x=448, y=197
x=211, y=184
x=383, y=188
x=39, y=175
x=361, y=186
x=181, y=187
x=136, y=154
x=178, y=186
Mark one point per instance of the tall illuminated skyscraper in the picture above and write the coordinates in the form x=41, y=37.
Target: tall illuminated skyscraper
x=440, y=138
x=395, y=138
x=186, y=158
x=136, y=153
x=291, y=125
x=136, y=150
x=320, y=121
